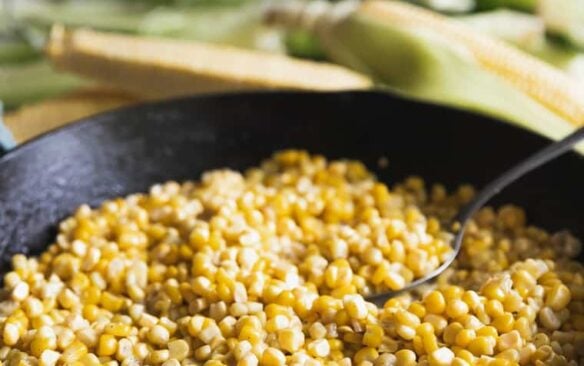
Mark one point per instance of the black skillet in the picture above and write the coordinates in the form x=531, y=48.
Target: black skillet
x=128, y=150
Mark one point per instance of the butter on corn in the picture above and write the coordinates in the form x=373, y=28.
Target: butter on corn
x=270, y=268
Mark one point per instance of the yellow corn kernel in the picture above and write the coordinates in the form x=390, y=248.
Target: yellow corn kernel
x=405, y=357
x=178, y=349
x=549, y=319
x=158, y=335
x=290, y=340
x=457, y=361
x=90, y=312
x=276, y=323
x=465, y=355
x=456, y=308
x=510, y=354
x=111, y=302
x=366, y=354
x=504, y=323
x=493, y=290
x=171, y=362
x=11, y=333
x=336, y=345
x=74, y=352
x=429, y=342
x=406, y=318
x=91, y=295
x=118, y=329
x=317, y=330
x=394, y=281
x=418, y=345
x=159, y=356
x=44, y=339
x=441, y=357
x=451, y=331
x=249, y=333
x=248, y=360
x=107, y=345
x=438, y=322
x=406, y=332
x=202, y=353
x=286, y=298
x=41, y=321
x=355, y=306
x=487, y=331
x=33, y=307
x=494, y=308
x=342, y=318
x=273, y=357
x=452, y=292
x=464, y=337
x=417, y=309
x=435, y=302
x=558, y=297
x=481, y=346
x=195, y=325
x=424, y=329
x=49, y=358
x=318, y=348
x=373, y=336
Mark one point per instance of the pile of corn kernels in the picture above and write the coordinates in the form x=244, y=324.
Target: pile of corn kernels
x=270, y=268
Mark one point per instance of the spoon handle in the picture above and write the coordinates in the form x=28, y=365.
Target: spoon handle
x=534, y=161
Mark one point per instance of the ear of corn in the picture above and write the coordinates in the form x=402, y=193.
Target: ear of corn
x=162, y=68
x=428, y=56
x=545, y=84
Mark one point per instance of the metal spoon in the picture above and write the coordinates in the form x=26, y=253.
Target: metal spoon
x=536, y=160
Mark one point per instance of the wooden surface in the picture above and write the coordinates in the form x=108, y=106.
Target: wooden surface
x=35, y=119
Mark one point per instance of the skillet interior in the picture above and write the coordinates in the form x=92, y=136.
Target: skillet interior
x=128, y=150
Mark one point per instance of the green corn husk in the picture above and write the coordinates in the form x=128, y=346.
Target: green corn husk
x=231, y=22
x=33, y=81
x=16, y=52
x=422, y=63
x=300, y=43
x=234, y=22
x=523, y=5
x=564, y=19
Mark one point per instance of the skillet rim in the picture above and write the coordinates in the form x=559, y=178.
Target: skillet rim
x=96, y=118
x=167, y=106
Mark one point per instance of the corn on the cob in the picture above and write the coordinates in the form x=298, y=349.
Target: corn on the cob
x=341, y=27
x=161, y=68
x=545, y=84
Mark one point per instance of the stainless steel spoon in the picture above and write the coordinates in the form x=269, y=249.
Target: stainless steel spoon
x=536, y=160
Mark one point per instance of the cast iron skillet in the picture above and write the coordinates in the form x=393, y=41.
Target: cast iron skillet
x=130, y=149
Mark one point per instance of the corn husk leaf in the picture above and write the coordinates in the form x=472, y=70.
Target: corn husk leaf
x=32, y=81
x=430, y=57
x=423, y=65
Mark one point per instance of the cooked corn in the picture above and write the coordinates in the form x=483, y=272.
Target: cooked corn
x=276, y=268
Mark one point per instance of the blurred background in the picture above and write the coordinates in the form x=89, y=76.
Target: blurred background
x=36, y=95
